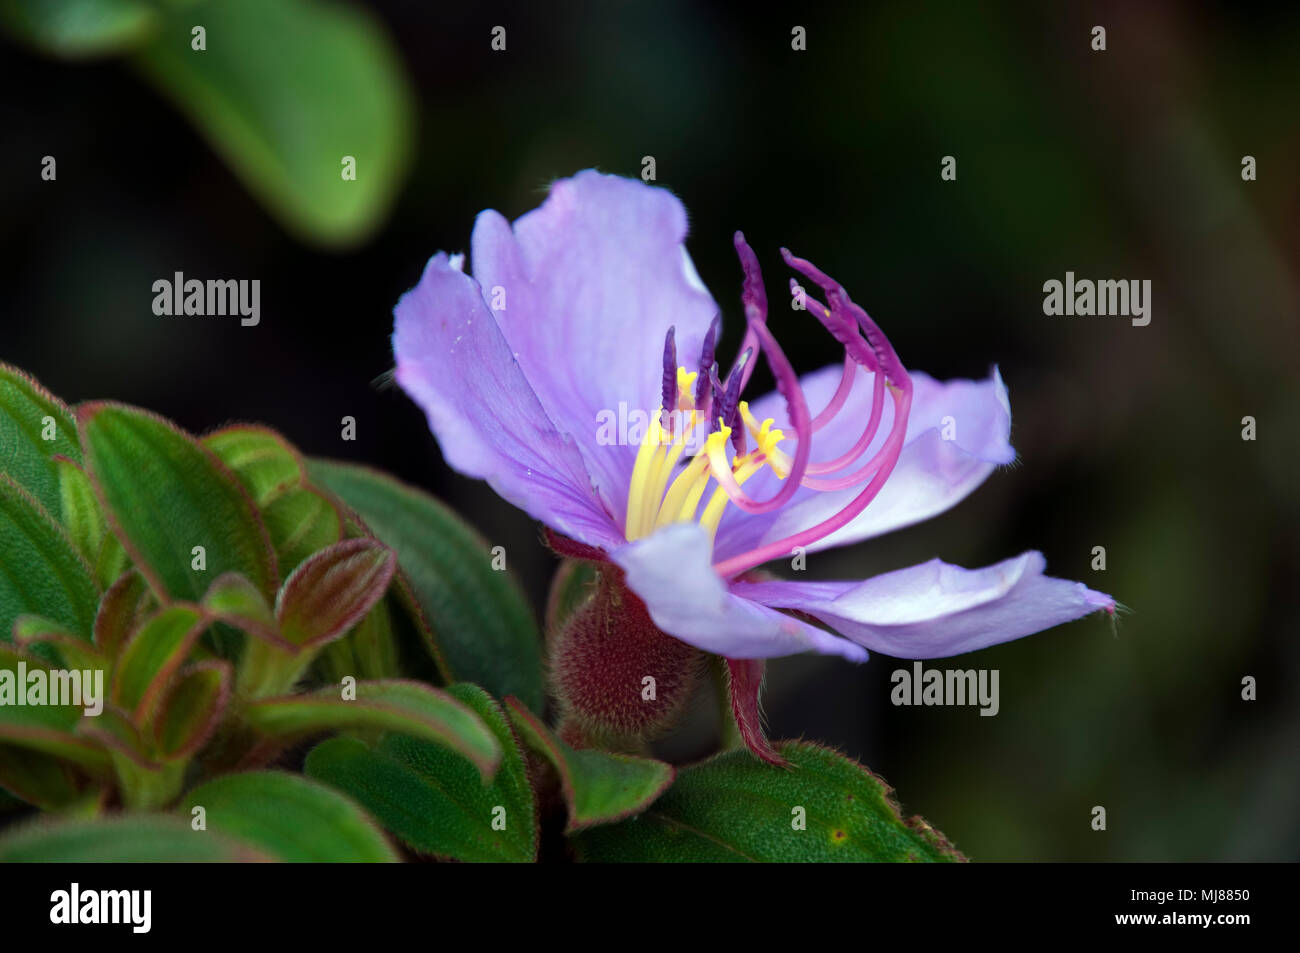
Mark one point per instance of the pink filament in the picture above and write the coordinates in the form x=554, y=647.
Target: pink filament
x=787, y=383
x=839, y=397
x=889, y=454
x=864, y=441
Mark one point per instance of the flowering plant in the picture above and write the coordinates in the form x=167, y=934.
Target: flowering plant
x=236, y=601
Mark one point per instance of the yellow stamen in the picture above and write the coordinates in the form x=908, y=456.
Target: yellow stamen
x=646, y=464
x=766, y=439
x=649, y=506
x=748, y=466
x=690, y=482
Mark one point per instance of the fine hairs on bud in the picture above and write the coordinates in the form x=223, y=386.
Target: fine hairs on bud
x=602, y=660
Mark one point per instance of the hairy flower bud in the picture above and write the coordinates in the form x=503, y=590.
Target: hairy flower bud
x=619, y=680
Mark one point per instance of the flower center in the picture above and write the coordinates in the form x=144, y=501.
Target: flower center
x=703, y=414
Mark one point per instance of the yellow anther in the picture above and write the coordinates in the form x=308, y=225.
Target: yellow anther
x=685, y=388
x=653, y=501
x=766, y=440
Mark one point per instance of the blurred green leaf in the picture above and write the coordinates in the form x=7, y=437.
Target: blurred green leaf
x=149, y=838
x=152, y=656
x=70, y=650
x=192, y=709
x=433, y=799
x=232, y=598
x=284, y=90
x=28, y=414
x=41, y=571
x=388, y=705
x=118, y=612
x=289, y=817
x=484, y=631
x=166, y=494
x=46, y=728
x=80, y=510
x=734, y=807
x=265, y=463
x=79, y=28
x=301, y=521
x=37, y=778
x=369, y=651
x=571, y=586
x=599, y=786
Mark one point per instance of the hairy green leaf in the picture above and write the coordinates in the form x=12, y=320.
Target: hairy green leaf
x=599, y=786
x=289, y=818
x=35, y=427
x=265, y=463
x=41, y=571
x=484, y=630
x=80, y=510
x=192, y=709
x=388, y=705
x=147, y=838
x=734, y=807
x=333, y=590
x=302, y=521
x=152, y=656
x=165, y=496
x=433, y=799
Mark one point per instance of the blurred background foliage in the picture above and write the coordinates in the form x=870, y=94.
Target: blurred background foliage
x=1122, y=164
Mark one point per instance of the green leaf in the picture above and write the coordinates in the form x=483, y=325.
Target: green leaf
x=28, y=414
x=80, y=510
x=166, y=494
x=145, y=783
x=40, y=779
x=290, y=818
x=79, y=28
x=73, y=651
x=484, y=630
x=301, y=522
x=193, y=709
x=149, y=838
x=41, y=572
x=299, y=519
x=266, y=464
x=571, y=586
x=111, y=562
x=15, y=665
x=433, y=799
x=599, y=786
x=46, y=728
x=368, y=651
x=734, y=807
x=152, y=657
x=285, y=90
x=235, y=600
x=119, y=611
x=333, y=590
x=389, y=705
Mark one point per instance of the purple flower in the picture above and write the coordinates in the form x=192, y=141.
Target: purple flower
x=590, y=306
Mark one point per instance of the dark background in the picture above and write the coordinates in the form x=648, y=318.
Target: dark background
x=1122, y=164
